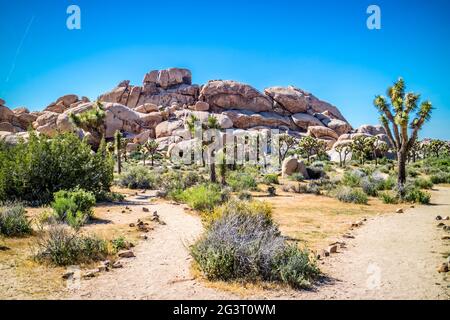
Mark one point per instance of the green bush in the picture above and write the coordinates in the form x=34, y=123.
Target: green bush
x=61, y=247
x=246, y=246
x=423, y=183
x=352, y=179
x=387, y=198
x=296, y=176
x=119, y=243
x=73, y=207
x=242, y=180
x=417, y=196
x=32, y=172
x=137, y=177
x=271, y=178
x=351, y=195
x=203, y=197
x=441, y=177
x=13, y=221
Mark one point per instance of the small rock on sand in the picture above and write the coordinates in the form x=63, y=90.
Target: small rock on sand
x=126, y=254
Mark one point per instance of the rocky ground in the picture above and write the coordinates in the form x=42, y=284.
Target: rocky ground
x=392, y=257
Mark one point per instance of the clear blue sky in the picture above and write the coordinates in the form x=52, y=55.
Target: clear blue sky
x=321, y=46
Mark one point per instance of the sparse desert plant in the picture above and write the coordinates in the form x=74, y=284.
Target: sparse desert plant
x=271, y=178
x=248, y=247
x=352, y=178
x=244, y=195
x=203, y=197
x=73, y=207
x=137, y=177
x=61, y=247
x=351, y=195
x=369, y=186
x=119, y=243
x=423, y=183
x=242, y=180
x=13, y=220
x=234, y=206
x=388, y=198
x=416, y=195
x=296, y=176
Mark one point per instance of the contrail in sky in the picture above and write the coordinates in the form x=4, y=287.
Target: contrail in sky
x=19, y=48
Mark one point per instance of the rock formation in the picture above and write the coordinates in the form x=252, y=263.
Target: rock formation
x=161, y=106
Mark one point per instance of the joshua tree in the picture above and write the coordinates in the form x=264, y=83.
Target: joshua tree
x=221, y=157
x=414, y=152
x=360, y=145
x=395, y=118
x=343, y=149
x=309, y=146
x=151, y=148
x=287, y=143
x=92, y=121
x=212, y=124
x=118, y=149
x=436, y=146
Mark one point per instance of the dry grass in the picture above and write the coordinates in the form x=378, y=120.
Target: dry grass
x=315, y=221
x=23, y=278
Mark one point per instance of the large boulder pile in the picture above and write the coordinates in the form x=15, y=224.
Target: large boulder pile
x=162, y=105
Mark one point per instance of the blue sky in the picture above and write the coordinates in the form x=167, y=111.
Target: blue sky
x=320, y=46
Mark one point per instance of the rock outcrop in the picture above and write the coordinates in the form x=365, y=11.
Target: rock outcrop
x=161, y=106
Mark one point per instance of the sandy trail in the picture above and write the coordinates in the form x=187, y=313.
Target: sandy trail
x=161, y=269
x=392, y=257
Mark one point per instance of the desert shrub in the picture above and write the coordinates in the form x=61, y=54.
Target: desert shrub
x=271, y=178
x=73, y=207
x=352, y=178
x=33, y=171
x=388, y=198
x=107, y=196
x=244, y=195
x=441, y=177
x=242, y=180
x=369, y=186
x=412, y=172
x=249, y=247
x=13, y=221
x=234, y=206
x=423, y=183
x=351, y=195
x=417, y=196
x=119, y=243
x=202, y=197
x=137, y=177
x=62, y=247
x=293, y=266
x=296, y=176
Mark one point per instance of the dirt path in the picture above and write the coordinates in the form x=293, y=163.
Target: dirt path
x=392, y=257
x=161, y=269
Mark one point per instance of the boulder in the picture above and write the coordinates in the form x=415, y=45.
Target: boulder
x=322, y=132
x=227, y=94
x=304, y=120
x=168, y=78
x=20, y=110
x=372, y=130
x=292, y=165
x=150, y=120
x=200, y=106
x=63, y=103
x=46, y=118
x=144, y=136
x=289, y=98
x=339, y=126
x=7, y=127
x=63, y=122
x=2, y=102
x=6, y=114
x=147, y=108
x=245, y=119
x=25, y=120
x=165, y=129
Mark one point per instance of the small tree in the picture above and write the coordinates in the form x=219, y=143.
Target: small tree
x=308, y=145
x=151, y=148
x=287, y=143
x=415, y=150
x=343, y=149
x=395, y=118
x=212, y=124
x=436, y=146
x=92, y=121
x=118, y=150
x=360, y=147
